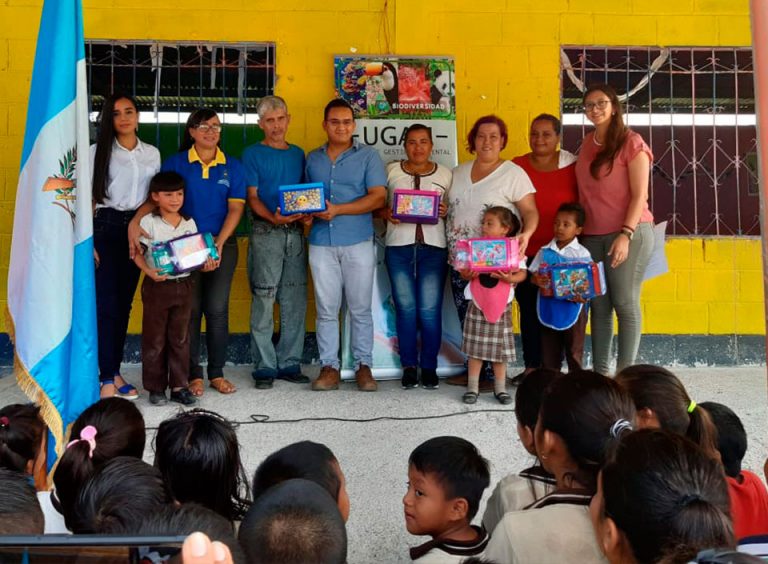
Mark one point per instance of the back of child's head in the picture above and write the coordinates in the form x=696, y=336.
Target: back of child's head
x=458, y=467
x=588, y=411
x=506, y=217
x=166, y=182
x=528, y=398
x=183, y=520
x=109, y=428
x=666, y=495
x=656, y=389
x=305, y=460
x=118, y=496
x=576, y=209
x=294, y=522
x=200, y=447
x=731, y=436
x=21, y=434
x=20, y=512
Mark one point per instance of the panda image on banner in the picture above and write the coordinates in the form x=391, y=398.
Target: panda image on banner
x=443, y=87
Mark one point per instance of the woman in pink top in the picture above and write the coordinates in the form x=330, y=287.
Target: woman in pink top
x=612, y=173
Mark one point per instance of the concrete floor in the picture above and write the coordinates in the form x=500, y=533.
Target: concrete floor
x=374, y=454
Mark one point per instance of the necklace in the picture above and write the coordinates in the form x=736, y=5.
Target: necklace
x=594, y=138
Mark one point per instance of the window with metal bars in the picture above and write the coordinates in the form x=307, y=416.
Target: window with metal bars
x=695, y=107
x=170, y=80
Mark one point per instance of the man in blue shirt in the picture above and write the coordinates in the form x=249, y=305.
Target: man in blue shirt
x=341, y=252
x=277, y=258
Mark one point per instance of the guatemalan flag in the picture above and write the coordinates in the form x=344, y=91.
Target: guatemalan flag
x=51, y=295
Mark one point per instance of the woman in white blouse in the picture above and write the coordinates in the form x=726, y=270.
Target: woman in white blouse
x=122, y=167
x=416, y=258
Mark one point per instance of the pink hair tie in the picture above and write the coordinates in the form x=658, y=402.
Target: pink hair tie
x=88, y=434
x=4, y=421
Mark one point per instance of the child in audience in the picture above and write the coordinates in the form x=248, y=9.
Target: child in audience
x=21, y=437
x=199, y=456
x=517, y=491
x=488, y=331
x=119, y=496
x=446, y=479
x=308, y=461
x=580, y=416
x=749, y=498
x=662, y=402
x=167, y=298
x=109, y=428
x=556, y=341
x=660, y=498
x=294, y=522
x=20, y=513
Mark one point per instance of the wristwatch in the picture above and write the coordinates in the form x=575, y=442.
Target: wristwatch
x=629, y=233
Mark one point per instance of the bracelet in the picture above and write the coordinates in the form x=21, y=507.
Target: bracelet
x=629, y=228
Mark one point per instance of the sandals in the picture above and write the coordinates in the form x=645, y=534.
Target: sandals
x=222, y=385
x=195, y=387
x=469, y=397
x=126, y=391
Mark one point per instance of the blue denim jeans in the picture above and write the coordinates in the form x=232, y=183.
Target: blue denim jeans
x=277, y=271
x=417, y=275
x=343, y=272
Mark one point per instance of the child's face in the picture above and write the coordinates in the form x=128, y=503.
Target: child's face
x=492, y=227
x=169, y=202
x=427, y=511
x=565, y=227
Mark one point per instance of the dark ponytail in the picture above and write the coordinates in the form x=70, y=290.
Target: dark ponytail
x=21, y=434
x=120, y=431
x=667, y=496
x=657, y=389
x=104, y=140
x=616, y=134
x=588, y=411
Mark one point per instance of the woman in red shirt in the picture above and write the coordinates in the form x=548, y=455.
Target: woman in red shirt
x=552, y=173
x=612, y=173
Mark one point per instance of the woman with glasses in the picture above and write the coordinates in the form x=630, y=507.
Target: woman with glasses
x=122, y=166
x=612, y=173
x=417, y=260
x=214, y=197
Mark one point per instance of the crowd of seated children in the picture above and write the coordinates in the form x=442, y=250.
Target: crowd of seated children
x=749, y=498
x=518, y=491
x=446, y=480
x=672, y=492
x=294, y=522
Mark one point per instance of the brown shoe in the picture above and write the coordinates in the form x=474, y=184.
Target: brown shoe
x=365, y=381
x=328, y=380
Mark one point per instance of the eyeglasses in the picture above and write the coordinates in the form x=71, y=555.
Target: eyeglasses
x=205, y=128
x=338, y=122
x=600, y=105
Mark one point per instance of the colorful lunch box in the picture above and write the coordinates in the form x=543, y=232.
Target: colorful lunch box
x=302, y=198
x=416, y=206
x=488, y=254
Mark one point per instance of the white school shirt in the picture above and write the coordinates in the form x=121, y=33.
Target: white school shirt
x=160, y=231
x=573, y=250
x=129, y=174
x=467, y=201
x=439, y=180
x=516, y=492
x=448, y=551
x=54, y=521
x=550, y=535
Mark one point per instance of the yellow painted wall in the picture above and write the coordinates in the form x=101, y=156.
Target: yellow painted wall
x=507, y=62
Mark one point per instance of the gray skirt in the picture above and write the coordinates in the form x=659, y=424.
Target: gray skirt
x=494, y=342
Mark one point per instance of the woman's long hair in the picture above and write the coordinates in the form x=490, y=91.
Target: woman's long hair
x=616, y=134
x=104, y=140
x=195, y=118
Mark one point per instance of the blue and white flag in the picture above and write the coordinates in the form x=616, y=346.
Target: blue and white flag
x=51, y=295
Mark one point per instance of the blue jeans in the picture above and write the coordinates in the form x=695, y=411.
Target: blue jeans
x=343, y=271
x=277, y=270
x=417, y=275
